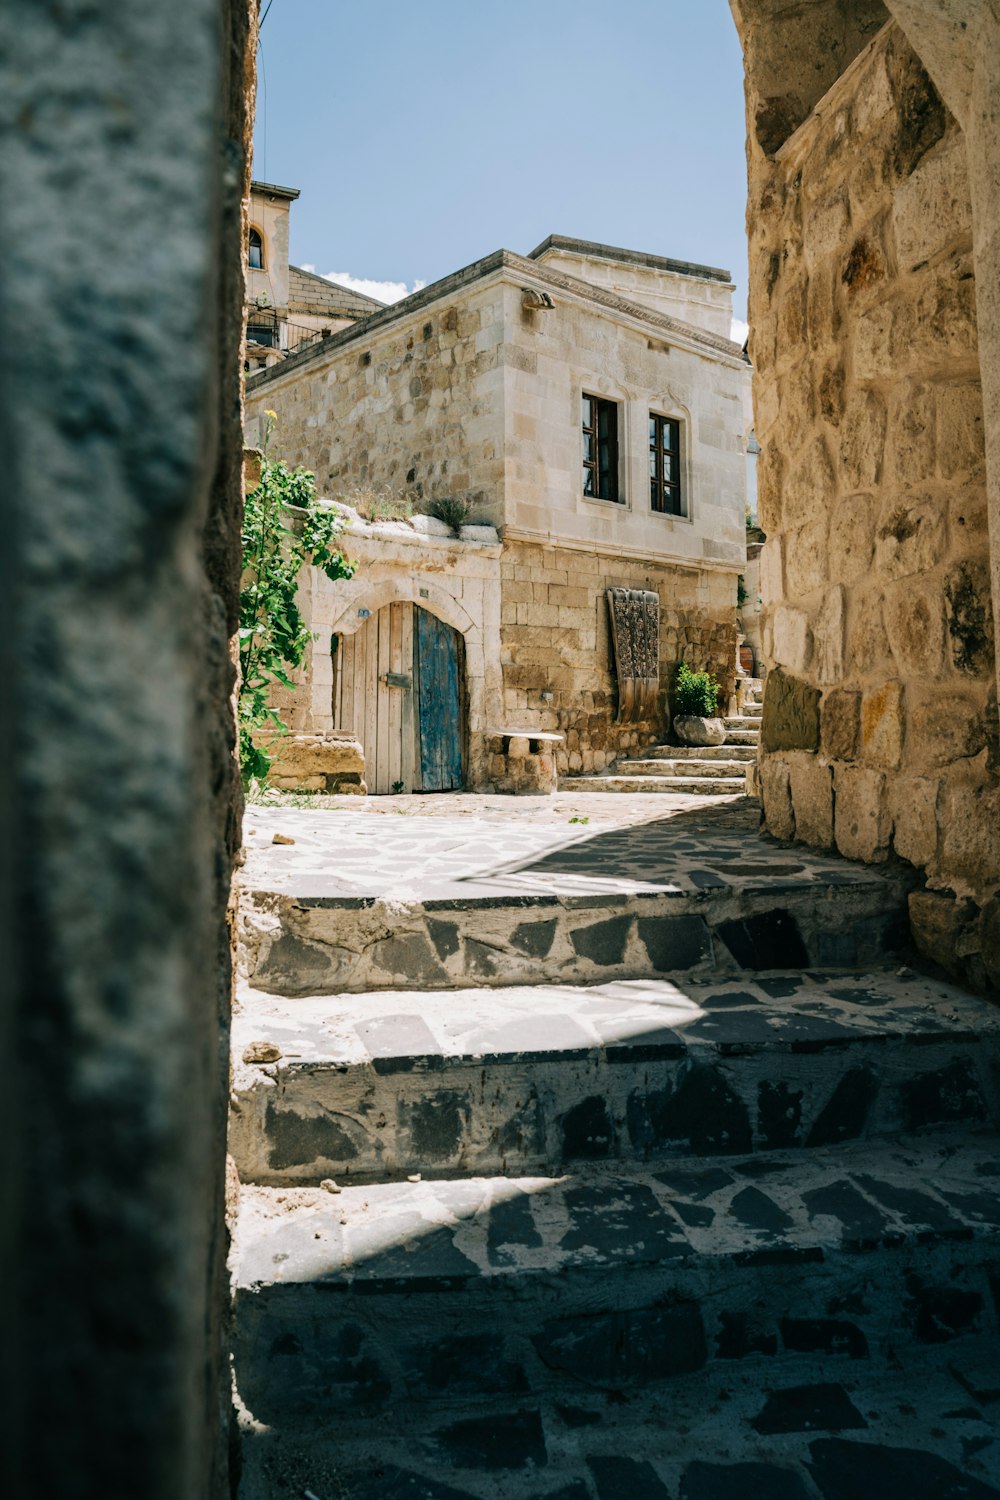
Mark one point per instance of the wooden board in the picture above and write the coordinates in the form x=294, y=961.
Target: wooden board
x=438, y=662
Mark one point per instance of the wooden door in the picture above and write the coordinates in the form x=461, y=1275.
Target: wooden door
x=438, y=663
x=373, y=696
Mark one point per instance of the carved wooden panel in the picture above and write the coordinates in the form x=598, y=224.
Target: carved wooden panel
x=635, y=634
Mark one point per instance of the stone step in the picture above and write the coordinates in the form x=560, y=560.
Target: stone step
x=743, y=721
x=741, y=737
x=668, y=896
x=696, y=752
x=538, y=1079
x=609, y=1277
x=718, y=786
x=657, y=766
x=828, y=1424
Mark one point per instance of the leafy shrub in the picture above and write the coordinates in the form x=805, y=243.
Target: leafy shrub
x=452, y=511
x=283, y=529
x=696, y=693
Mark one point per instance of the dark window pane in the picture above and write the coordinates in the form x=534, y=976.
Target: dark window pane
x=588, y=446
x=654, y=494
x=588, y=481
x=669, y=466
x=652, y=429
x=588, y=412
x=652, y=465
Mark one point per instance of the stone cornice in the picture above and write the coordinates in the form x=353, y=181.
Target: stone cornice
x=518, y=270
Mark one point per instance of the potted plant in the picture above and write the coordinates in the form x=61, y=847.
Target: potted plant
x=696, y=703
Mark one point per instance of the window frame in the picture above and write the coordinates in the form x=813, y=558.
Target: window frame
x=593, y=465
x=661, y=488
x=251, y=231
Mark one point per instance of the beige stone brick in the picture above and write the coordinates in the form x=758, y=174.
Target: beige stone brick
x=882, y=726
x=913, y=433
x=852, y=538
x=840, y=724
x=806, y=557
x=961, y=449
x=914, y=623
x=811, y=783
x=912, y=806
x=569, y=595
x=932, y=209
x=777, y=798
x=862, y=440
x=792, y=638
x=862, y=825
x=810, y=486
x=969, y=822
x=945, y=725
x=910, y=536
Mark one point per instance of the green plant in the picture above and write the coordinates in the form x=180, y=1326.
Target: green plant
x=283, y=529
x=397, y=787
x=452, y=511
x=378, y=502
x=695, y=693
x=741, y=592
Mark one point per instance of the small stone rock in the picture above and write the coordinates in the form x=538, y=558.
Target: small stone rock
x=282, y=838
x=261, y=1052
x=413, y=1177
x=329, y=1186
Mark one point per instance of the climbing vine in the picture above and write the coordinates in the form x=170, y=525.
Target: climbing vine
x=283, y=530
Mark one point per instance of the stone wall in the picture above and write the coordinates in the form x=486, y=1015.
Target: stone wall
x=555, y=634
x=416, y=409
x=125, y=135
x=880, y=725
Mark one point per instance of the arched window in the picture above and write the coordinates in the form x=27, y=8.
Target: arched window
x=256, y=250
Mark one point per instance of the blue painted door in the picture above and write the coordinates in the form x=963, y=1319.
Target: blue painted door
x=438, y=670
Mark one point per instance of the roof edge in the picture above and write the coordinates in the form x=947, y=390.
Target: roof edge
x=632, y=257
x=274, y=190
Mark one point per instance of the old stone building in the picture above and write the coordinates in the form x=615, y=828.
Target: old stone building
x=590, y=405
x=285, y=305
x=880, y=719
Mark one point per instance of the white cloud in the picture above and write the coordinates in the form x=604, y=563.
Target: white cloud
x=385, y=291
x=738, y=331
x=308, y=267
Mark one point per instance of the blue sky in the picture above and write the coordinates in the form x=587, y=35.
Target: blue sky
x=424, y=135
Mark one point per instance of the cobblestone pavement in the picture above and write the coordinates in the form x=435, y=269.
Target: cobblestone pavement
x=467, y=845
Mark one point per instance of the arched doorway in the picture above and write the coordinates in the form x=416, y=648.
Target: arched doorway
x=399, y=686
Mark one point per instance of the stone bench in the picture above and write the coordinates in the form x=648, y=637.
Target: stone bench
x=523, y=760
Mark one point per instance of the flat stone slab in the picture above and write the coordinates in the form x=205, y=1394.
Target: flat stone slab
x=921, y=1439
x=365, y=1087
x=613, y=1276
x=356, y=904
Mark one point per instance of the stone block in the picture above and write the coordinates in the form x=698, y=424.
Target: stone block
x=776, y=797
x=912, y=429
x=790, y=719
x=810, y=487
x=969, y=618
x=791, y=644
x=829, y=637
x=910, y=536
x=806, y=558
x=862, y=440
x=852, y=538
x=840, y=724
x=882, y=726
x=862, y=826
x=944, y=929
x=961, y=450
x=913, y=809
x=969, y=820
x=914, y=623
x=811, y=782
x=868, y=647
x=945, y=725
x=334, y=761
x=944, y=323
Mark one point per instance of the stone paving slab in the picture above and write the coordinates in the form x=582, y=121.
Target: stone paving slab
x=611, y=1277
x=534, y=1078
x=508, y=849
x=855, y=1432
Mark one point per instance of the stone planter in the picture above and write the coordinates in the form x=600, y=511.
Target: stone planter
x=691, y=730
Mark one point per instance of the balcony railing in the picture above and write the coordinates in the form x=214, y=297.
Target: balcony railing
x=268, y=331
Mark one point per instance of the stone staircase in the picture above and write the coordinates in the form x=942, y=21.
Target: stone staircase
x=679, y=1194
x=711, y=770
